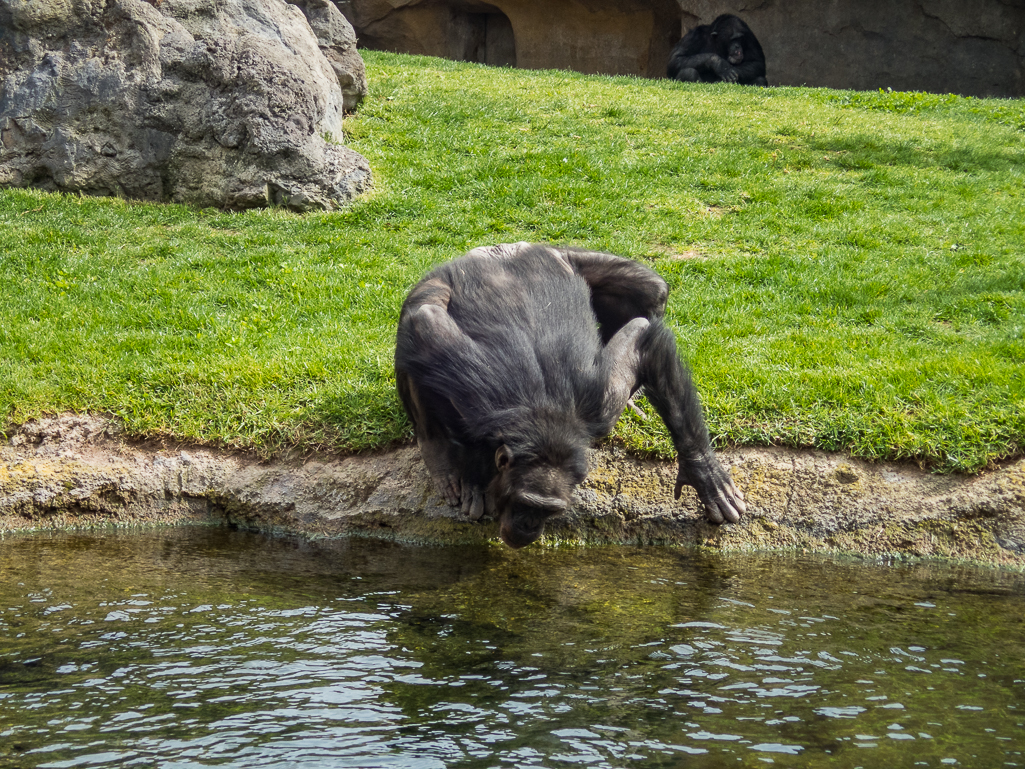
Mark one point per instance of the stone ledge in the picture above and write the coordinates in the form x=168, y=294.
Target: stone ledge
x=78, y=471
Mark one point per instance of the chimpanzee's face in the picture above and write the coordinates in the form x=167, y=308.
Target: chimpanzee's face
x=524, y=498
x=520, y=524
x=735, y=53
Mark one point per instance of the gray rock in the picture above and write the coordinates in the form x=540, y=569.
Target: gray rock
x=337, y=42
x=229, y=104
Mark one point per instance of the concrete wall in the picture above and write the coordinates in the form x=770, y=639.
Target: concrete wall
x=974, y=49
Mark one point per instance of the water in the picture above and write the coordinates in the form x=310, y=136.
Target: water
x=208, y=647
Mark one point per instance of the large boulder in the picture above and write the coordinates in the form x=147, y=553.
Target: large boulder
x=225, y=103
x=337, y=41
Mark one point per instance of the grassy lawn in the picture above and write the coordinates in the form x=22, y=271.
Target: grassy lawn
x=847, y=269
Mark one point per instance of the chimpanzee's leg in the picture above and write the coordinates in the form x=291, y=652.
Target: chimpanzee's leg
x=620, y=370
x=621, y=289
x=439, y=452
x=426, y=324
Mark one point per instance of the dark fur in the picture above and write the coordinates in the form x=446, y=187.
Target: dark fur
x=704, y=54
x=503, y=365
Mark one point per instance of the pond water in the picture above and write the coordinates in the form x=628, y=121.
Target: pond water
x=210, y=647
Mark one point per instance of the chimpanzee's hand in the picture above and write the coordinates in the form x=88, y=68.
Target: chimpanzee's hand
x=722, y=499
x=472, y=501
x=725, y=71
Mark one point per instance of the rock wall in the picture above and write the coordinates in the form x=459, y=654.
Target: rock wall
x=942, y=46
x=632, y=37
x=232, y=104
x=75, y=471
x=974, y=49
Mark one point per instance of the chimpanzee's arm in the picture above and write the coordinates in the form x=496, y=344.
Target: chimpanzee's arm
x=629, y=300
x=695, y=52
x=710, y=65
x=644, y=354
x=668, y=386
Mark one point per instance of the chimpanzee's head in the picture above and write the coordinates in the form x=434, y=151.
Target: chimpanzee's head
x=728, y=37
x=525, y=493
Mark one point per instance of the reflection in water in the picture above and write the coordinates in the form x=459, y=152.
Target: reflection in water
x=200, y=647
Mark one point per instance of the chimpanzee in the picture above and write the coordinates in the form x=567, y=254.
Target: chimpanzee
x=513, y=358
x=725, y=50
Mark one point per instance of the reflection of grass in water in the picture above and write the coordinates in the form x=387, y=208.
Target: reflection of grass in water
x=820, y=656
x=622, y=597
x=533, y=601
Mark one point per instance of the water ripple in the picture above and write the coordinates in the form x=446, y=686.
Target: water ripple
x=161, y=649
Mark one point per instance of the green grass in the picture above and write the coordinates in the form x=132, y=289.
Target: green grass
x=847, y=269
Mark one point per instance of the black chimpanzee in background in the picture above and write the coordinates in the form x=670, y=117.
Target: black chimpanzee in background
x=513, y=359
x=725, y=50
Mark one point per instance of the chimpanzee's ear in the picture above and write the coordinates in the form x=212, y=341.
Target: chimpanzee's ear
x=503, y=457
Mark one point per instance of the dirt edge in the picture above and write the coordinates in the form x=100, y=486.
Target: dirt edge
x=73, y=471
